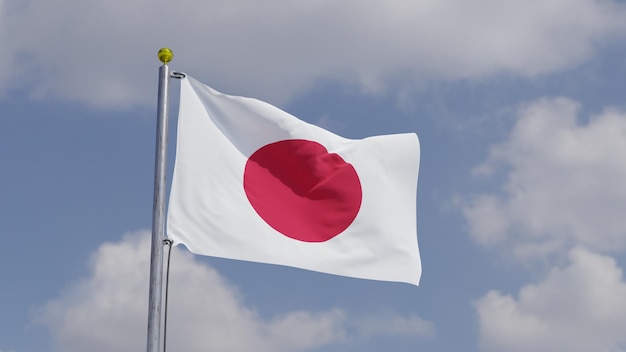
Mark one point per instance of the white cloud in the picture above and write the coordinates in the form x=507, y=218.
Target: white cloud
x=108, y=311
x=564, y=183
x=579, y=308
x=103, y=52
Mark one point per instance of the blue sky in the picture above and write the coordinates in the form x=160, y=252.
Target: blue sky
x=521, y=112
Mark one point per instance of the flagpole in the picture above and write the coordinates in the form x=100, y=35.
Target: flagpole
x=158, y=209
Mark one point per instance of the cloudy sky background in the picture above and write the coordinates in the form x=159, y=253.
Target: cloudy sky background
x=521, y=112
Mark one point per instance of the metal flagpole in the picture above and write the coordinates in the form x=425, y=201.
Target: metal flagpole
x=158, y=209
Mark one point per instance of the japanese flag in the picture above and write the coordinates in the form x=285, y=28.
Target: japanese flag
x=252, y=182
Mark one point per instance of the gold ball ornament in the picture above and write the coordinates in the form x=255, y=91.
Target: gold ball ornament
x=166, y=55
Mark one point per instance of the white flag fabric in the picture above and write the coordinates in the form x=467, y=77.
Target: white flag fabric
x=252, y=182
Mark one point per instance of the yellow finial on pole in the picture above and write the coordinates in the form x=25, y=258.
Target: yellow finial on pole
x=166, y=55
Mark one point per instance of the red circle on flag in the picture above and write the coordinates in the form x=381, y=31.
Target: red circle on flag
x=301, y=190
